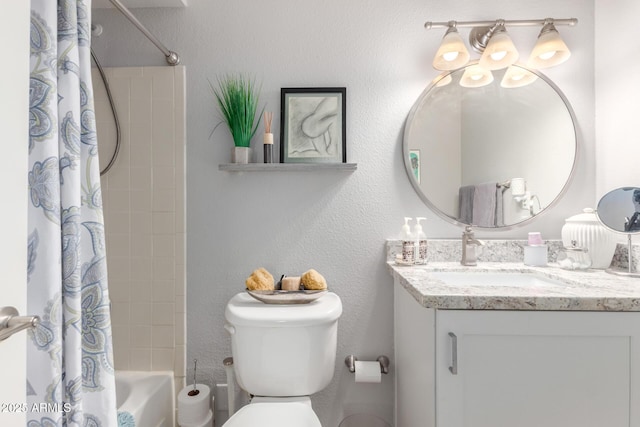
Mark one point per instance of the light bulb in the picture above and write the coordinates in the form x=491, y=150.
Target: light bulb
x=547, y=55
x=450, y=56
x=497, y=56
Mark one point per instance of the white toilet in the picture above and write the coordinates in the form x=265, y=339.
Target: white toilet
x=281, y=355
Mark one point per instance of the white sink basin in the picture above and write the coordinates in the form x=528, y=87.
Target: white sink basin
x=479, y=278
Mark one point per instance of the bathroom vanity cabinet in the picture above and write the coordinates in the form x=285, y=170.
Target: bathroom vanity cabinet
x=506, y=368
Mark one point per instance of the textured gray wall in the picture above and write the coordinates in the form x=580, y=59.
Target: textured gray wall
x=616, y=110
x=334, y=222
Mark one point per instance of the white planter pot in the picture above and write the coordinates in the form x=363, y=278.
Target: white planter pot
x=241, y=155
x=588, y=232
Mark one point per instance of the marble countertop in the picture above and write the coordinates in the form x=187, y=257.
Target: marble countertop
x=591, y=290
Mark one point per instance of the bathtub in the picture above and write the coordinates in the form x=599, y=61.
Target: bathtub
x=148, y=396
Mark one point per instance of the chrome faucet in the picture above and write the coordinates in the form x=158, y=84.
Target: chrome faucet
x=470, y=247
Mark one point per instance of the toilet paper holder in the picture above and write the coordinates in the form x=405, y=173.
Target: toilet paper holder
x=350, y=361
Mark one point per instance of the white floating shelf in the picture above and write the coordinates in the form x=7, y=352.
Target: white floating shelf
x=286, y=167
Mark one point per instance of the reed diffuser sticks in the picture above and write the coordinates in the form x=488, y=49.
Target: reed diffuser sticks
x=268, y=118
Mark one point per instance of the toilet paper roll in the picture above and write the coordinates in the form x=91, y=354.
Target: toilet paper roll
x=193, y=410
x=368, y=372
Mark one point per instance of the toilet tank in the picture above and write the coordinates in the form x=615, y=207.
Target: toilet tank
x=283, y=350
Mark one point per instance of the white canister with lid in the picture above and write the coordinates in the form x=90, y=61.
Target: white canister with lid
x=588, y=232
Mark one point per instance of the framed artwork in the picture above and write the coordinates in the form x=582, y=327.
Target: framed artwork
x=313, y=125
x=414, y=156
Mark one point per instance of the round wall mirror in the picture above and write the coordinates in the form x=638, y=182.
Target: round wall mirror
x=491, y=156
x=619, y=210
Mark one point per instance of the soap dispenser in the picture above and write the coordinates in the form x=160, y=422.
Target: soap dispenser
x=408, y=243
x=421, y=242
x=535, y=251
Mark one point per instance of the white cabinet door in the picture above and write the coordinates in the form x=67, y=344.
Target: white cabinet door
x=533, y=369
x=414, y=331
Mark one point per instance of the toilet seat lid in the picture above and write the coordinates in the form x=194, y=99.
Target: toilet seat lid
x=269, y=414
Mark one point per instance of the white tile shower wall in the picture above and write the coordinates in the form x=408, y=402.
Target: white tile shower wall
x=144, y=203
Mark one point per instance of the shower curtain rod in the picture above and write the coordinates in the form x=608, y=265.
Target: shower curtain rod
x=171, y=57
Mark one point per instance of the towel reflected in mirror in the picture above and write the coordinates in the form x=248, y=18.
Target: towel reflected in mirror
x=481, y=205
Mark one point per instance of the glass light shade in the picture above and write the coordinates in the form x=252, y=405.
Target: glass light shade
x=452, y=53
x=476, y=76
x=444, y=81
x=549, y=50
x=517, y=77
x=500, y=51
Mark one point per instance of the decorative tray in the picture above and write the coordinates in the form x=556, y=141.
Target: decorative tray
x=286, y=297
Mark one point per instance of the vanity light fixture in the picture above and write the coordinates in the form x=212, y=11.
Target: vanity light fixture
x=517, y=77
x=498, y=51
x=452, y=53
x=444, y=81
x=550, y=49
x=476, y=76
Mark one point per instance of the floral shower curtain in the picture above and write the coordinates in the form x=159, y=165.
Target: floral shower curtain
x=70, y=375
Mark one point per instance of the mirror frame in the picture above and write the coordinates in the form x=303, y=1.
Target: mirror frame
x=407, y=161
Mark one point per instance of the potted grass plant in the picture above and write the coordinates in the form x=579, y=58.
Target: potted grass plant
x=237, y=97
